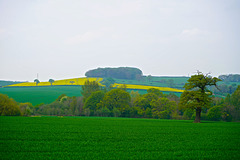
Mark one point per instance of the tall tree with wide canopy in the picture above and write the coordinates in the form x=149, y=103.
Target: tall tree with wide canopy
x=196, y=95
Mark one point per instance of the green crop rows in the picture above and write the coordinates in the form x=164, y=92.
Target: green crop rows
x=37, y=95
x=116, y=138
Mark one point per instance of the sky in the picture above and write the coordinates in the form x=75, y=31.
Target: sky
x=61, y=39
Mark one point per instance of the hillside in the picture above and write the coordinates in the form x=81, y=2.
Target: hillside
x=44, y=92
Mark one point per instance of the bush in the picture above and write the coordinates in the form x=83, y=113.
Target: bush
x=215, y=113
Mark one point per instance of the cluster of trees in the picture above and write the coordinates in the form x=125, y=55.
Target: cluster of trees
x=196, y=102
x=230, y=78
x=120, y=73
x=9, y=107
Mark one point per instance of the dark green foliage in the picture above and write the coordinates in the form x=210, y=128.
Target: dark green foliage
x=116, y=98
x=108, y=82
x=155, y=91
x=196, y=95
x=63, y=106
x=88, y=88
x=215, y=113
x=145, y=100
x=8, y=106
x=188, y=113
x=163, y=108
x=231, y=106
x=26, y=109
x=116, y=138
x=92, y=101
x=121, y=73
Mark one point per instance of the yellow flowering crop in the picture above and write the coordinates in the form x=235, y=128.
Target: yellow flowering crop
x=133, y=86
x=73, y=81
x=81, y=81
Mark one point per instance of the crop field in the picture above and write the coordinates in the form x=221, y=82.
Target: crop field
x=73, y=81
x=116, y=138
x=37, y=95
x=132, y=86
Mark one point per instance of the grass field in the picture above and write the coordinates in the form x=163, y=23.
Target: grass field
x=37, y=95
x=116, y=138
x=48, y=94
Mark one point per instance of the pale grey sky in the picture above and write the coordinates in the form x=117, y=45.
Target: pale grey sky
x=63, y=39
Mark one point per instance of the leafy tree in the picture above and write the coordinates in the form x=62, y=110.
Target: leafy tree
x=51, y=81
x=88, y=88
x=155, y=91
x=196, y=95
x=145, y=100
x=87, y=112
x=26, y=108
x=36, y=81
x=163, y=108
x=188, y=113
x=92, y=101
x=235, y=98
x=148, y=113
x=108, y=82
x=73, y=105
x=215, y=113
x=8, y=107
x=116, y=112
x=116, y=98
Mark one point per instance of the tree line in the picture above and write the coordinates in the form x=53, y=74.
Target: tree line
x=196, y=102
x=120, y=73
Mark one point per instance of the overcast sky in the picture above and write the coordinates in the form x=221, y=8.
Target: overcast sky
x=63, y=39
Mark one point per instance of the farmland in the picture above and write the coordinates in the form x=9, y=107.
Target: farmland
x=116, y=138
x=37, y=95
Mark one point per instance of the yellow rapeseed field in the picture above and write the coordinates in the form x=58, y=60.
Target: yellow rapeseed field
x=81, y=81
x=73, y=81
x=133, y=86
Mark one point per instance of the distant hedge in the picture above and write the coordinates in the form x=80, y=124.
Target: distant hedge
x=120, y=73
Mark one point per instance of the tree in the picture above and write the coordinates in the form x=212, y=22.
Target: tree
x=88, y=88
x=51, y=81
x=108, y=82
x=116, y=98
x=215, y=113
x=26, y=108
x=163, y=108
x=92, y=101
x=145, y=100
x=72, y=82
x=8, y=107
x=36, y=81
x=155, y=91
x=196, y=95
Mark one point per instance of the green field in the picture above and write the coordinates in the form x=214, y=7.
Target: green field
x=47, y=94
x=116, y=138
x=37, y=95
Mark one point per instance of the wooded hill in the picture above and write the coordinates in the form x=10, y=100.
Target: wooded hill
x=120, y=73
